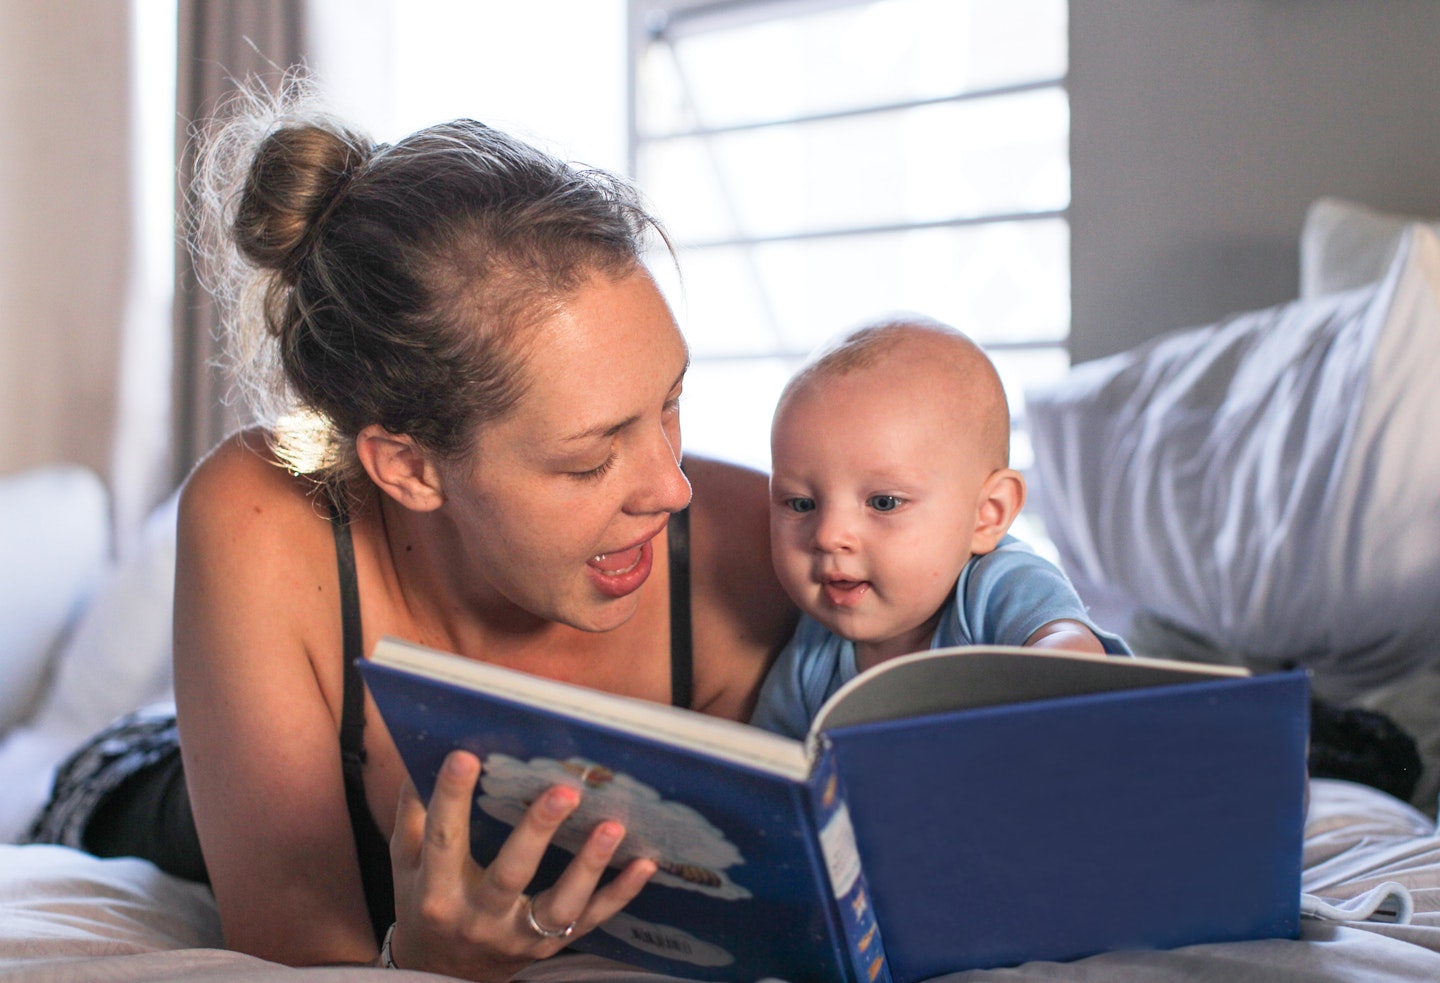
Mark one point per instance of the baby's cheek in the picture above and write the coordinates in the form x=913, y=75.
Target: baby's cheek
x=792, y=567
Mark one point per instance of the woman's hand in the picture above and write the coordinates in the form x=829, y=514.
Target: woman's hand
x=457, y=918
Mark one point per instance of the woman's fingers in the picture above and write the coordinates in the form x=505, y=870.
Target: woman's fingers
x=454, y=898
x=575, y=898
x=430, y=856
x=515, y=864
x=443, y=851
x=409, y=835
x=568, y=898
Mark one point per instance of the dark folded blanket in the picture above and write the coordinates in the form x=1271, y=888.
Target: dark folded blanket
x=1362, y=746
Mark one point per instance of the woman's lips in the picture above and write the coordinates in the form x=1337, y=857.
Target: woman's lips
x=614, y=564
x=622, y=572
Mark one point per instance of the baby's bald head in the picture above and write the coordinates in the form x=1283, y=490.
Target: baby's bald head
x=952, y=374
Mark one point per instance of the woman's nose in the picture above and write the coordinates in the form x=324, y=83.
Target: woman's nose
x=664, y=487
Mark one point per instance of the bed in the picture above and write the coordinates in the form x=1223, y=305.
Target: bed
x=67, y=916
x=1312, y=397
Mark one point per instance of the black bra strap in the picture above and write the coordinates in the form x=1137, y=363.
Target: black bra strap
x=370, y=845
x=681, y=641
x=352, y=716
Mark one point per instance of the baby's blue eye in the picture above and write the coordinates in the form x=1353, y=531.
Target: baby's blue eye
x=884, y=503
x=801, y=504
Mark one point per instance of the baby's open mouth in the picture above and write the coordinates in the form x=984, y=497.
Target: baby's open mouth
x=845, y=593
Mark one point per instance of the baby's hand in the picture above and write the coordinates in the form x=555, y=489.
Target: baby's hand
x=1071, y=636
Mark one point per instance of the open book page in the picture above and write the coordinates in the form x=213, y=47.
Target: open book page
x=726, y=739
x=971, y=676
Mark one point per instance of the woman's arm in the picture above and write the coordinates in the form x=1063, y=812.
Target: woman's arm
x=255, y=567
x=260, y=690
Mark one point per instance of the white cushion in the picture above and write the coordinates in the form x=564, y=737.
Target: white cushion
x=1270, y=483
x=119, y=656
x=55, y=541
x=115, y=660
x=1344, y=245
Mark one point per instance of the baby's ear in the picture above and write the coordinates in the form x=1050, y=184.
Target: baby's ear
x=1001, y=498
x=400, y=468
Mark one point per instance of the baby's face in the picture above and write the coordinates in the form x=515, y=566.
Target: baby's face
x=873, y=505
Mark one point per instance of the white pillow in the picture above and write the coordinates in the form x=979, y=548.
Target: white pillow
x=119, y=656
x=1344, y=245
x=1270, y=483
x=116, y=659
x=55, y=541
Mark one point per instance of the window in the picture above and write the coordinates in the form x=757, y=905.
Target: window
x=819, y=163
x=140, y=466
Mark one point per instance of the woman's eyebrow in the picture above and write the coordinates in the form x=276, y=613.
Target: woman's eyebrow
x=601, y=430
x=611, y=429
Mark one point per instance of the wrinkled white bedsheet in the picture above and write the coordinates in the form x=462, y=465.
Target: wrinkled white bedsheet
x=67, y=917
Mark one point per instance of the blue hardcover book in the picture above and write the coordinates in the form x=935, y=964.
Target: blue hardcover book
x=1029, y=807
x=953, y=809
x=758, y=873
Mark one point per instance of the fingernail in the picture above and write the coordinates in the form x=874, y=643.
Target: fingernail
x=608, y=835
x=559, y=801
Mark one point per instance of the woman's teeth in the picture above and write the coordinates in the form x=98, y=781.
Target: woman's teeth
x=614, y=564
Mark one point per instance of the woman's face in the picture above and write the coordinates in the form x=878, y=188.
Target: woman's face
x=570, y=489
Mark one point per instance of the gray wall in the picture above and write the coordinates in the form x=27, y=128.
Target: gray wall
x=1201, y=130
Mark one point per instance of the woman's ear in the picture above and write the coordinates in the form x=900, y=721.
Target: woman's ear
x=1001, y=498
x=400, y=468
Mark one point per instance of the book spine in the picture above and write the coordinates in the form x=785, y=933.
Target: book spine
x=845, y=875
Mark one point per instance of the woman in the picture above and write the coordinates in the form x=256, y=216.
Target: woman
x=478, y=412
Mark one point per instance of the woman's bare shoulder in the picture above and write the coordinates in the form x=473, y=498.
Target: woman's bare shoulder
x=730, y=512
x=241, y=509
x=730, y=523
x=241, y=481
x=742, y=616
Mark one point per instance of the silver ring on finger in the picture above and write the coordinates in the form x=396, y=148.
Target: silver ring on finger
x=564, y=932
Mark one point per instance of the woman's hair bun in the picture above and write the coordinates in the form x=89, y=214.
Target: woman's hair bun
x=297, y=177
x=361, y=284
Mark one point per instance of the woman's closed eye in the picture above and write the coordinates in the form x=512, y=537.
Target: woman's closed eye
x=590, y=474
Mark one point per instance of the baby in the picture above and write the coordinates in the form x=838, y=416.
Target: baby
x=891, y=497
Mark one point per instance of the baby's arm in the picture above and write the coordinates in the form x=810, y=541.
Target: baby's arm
x=1066, y=634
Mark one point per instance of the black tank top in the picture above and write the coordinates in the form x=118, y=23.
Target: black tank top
x=370, y=844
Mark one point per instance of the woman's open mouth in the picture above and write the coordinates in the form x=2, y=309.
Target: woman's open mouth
x=623, y=571
x=617, y=564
